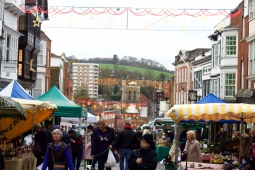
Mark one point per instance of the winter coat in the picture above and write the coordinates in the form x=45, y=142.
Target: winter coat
x=246, y=142
x=149, y=160
x=95, y=140
x=194, y=153
x=126, y=139
x=87, y=154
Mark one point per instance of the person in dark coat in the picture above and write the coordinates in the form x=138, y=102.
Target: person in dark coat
x=125, y=142
x=144, y=158
x=103, y=138
x=2, y=167
x=41, y=143
x=77, y=147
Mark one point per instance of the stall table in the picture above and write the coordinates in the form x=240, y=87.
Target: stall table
x=161, y=152
x=205, y=165
x=20, y=164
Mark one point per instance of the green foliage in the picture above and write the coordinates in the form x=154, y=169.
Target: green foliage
x=116, y=89
x=81, y=92
x=115, y=97
x=143, y=71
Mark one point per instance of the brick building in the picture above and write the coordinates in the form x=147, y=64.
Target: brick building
x=246, y=70
x=184, y=74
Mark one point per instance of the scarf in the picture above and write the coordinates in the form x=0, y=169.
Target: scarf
x=128, y=127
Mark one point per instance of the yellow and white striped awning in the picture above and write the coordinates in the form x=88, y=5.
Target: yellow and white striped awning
x=213, y=112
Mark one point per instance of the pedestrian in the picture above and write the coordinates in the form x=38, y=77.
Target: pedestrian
x=139, y=132
x=65, y=137
x=102, y=139
x=125, y=142
x=77, y=147
x=219, y=135
x=57, y=154
x=144, y=158
x=246, y=143
x=41, y=143
x=183, y=138
x=172, y=151
x=192, y=148
x=2, y=167
x=87, y=154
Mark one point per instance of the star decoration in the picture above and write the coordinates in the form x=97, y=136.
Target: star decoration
x=90, y=16
x=184, y=26
x=203, y=18
x=147, y=25
x=220, y=26
x=107, y=23
x=37, y=22
x=165, y=18
x=71, y=23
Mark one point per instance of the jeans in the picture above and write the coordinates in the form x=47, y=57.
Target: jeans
x=125, y=153
x=77, y=155
x=101, y=159
x=247, y=162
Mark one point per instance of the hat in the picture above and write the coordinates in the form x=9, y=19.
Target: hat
x=148, y=138
x=127, y=123
x=56, y=127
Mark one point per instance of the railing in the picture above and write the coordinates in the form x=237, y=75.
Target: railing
x=10, y=61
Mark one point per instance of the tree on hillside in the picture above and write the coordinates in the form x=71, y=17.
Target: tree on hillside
x=115, y=59
x=81, y=93
x=116, y=89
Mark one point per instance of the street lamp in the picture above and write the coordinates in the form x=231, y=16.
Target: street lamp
x=182, y=89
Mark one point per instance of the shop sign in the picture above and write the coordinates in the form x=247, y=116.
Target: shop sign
x=9, y=67
x=192, y=95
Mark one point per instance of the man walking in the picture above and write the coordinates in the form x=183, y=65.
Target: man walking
x=76, y=146
x=125, y=143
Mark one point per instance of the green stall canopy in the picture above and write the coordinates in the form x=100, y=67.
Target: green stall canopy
x=66, y=108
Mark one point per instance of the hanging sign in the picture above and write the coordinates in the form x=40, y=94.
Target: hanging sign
x=192, y=95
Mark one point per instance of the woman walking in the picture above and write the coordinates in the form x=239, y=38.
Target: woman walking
x=57, y=154
x=192, y=148
x=87, y=154
x=246, y=142
x=102, y=139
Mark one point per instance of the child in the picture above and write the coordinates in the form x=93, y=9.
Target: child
x=144, y=158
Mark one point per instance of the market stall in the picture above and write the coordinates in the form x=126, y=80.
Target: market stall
x=66, y=108
x=211, y=112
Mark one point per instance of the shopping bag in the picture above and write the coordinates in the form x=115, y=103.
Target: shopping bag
x=111, y=161
x=116, y=155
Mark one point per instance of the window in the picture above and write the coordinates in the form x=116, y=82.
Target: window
x=251, y=69
x=40, y=60
x=176, y=76
x=231, y=45
x=37, y=91
x=216, y=87
x=20, y=55
x=216, y=56
x=219, y=52
x=251, y=8
x=134, y=95
x=20, y=70
x=242, y=75
x=129, y=95
x=230, y=81
x=206, y=88
x=10, y=48
x=1, y=11
x=182, y=75
x=197, y=79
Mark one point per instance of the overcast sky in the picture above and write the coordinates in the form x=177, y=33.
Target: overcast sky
x=153, y=37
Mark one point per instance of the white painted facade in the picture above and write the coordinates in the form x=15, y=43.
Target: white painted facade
x=59, y=62
x=11, y=35
x=224, y=64
x=202, y=72
x=39, y=88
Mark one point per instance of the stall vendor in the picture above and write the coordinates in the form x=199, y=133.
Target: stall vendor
x=2, y=167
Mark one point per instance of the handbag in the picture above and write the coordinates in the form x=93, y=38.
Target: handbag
x=58, y=165
x=183, y=156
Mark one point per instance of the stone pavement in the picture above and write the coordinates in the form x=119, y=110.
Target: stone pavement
x=159, y=167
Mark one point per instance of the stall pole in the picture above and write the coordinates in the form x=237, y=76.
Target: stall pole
x=176, y=137
x=241, y=132
x=30, y=165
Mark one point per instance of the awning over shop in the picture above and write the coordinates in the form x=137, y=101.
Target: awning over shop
x=213, y=112
x=11, y=109
x=37, y=111
x=66, y=108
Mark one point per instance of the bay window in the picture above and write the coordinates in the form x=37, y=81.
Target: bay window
x=230, y=81
x=216, y=87
x=230, y=45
